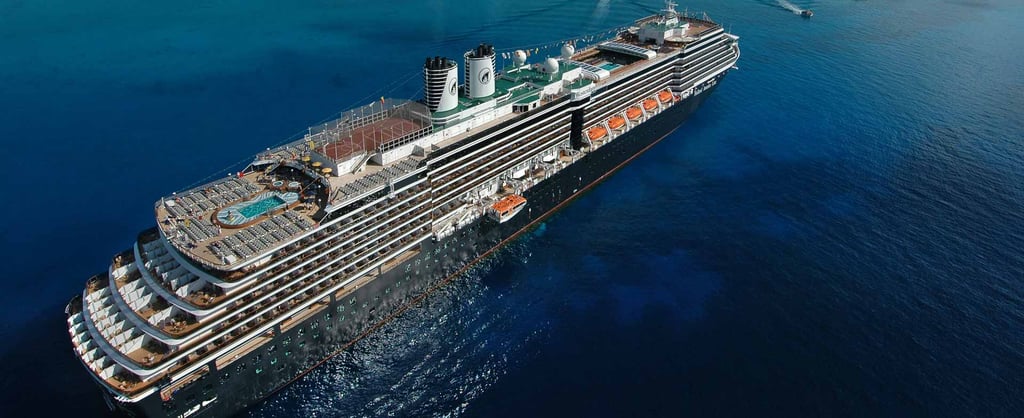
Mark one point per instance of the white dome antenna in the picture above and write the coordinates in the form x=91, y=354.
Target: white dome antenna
x=519, y=57
x=568, y=50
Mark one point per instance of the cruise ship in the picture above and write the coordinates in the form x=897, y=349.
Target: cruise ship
x=250, y=281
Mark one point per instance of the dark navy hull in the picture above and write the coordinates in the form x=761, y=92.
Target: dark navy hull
x=298, y=350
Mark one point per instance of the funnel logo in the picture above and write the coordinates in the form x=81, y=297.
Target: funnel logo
x=451, y=89
x=485, y=75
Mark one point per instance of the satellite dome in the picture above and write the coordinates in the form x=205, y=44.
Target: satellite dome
x=567, y=51
x=519, y=57
x=550, y=66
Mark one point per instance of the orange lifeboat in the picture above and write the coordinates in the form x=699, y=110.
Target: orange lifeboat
x=506, y=208
x=597, y=132
x=633, y=113
x=650, y=104
x=616, y=122
x=665, y=96
x=508, y=203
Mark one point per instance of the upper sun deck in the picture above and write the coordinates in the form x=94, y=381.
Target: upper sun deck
x=286, y=191
x=225, y=223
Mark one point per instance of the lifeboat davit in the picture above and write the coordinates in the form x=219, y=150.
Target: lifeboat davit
x=650, y=104
x=633, y=113
x=616, y=122
x=665, y=96
x=597, y=132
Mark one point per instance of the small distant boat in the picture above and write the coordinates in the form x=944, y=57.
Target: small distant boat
x=806, y=13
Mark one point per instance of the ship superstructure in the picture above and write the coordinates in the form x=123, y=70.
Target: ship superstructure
x=251, y=280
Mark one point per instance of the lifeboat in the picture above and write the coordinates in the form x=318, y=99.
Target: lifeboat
x=597, y=132
x=616, y=122
x=650, y=104
x=506, y=208
x=665, y=96
x=633, y=113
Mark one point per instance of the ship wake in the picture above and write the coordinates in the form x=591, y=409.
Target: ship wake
x=785, y=4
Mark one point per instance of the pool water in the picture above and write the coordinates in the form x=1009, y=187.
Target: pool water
x=609, y=66
x=261, y=206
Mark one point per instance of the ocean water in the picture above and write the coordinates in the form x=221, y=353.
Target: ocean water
x=838, y=231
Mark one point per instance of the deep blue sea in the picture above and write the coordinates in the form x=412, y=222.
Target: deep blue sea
x=837, y=231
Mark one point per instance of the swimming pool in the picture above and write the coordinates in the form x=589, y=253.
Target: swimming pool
x=261, y=206
x=609, y=66
x=244, y=213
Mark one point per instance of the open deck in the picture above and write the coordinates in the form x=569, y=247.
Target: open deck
x=194, y=221
x=371, y=137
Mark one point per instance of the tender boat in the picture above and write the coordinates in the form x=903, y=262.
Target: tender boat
x=506, y=208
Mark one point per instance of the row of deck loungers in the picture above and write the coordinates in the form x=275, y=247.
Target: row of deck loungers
x=201, y=230
x=260, y=237
x=217, y=195
x=369, y=182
